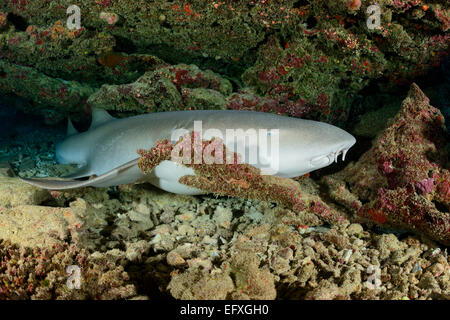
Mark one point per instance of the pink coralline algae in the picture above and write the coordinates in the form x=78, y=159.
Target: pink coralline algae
x=426, y=185
x=402, y=181
x=405, y=4
x=3, y=20
x=104, y=3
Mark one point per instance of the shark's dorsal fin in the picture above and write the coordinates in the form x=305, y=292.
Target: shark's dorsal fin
x=70, y=128
x=100, y=116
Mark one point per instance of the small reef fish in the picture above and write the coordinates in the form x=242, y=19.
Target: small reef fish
x=107, y=152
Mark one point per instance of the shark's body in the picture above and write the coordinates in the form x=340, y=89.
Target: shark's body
x=108, y=150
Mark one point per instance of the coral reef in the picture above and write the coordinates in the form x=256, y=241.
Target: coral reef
x=213, y=248
x=257, y=237
x=48, y=95
x=402, y=181
x=250, y=282
x=304, y=58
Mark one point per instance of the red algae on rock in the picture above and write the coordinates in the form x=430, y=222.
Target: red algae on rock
x=402, y=182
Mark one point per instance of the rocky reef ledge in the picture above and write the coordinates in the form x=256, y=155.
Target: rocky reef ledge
x=307, y=58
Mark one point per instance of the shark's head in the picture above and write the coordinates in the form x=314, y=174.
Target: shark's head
x=311, y=146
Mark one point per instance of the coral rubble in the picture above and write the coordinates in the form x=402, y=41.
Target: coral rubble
x=209, y=248
x=42, y=274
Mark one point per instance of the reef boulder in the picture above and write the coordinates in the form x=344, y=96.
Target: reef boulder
x=402, y=182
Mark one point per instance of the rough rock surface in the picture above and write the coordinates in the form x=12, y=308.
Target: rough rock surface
x=312, y=58
x=216, y=248
x=27, y=273
x=168, y=88
x=14, y=192
x=402, y=182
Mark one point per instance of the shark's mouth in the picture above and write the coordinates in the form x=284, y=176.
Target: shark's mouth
x=324, y=160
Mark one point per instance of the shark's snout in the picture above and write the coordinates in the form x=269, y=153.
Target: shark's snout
x=333, y=150
x=342, y=149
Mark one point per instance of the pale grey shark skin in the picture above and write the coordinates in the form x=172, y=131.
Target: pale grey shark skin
x=108, y=150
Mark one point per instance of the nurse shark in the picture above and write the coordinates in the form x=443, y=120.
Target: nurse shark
x=107, y=152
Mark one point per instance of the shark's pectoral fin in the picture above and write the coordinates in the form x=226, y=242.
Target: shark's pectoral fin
x=53, y=184
x=63, y=184
x=82, y=172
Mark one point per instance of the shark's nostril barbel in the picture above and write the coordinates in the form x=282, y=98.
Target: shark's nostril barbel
x=343, y=154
